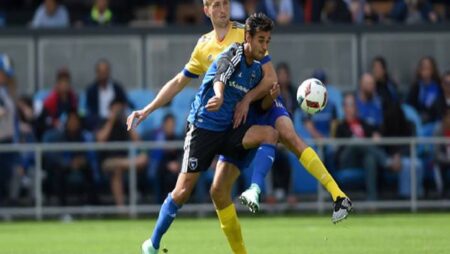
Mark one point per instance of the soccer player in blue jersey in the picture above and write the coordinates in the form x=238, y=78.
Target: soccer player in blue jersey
x=209, y=131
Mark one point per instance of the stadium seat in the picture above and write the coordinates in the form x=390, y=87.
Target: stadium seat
x=298, y=125
x=38, y=101
x=302, y=181
x=41, y=95
x=350, y=178
x=156, y=118
x=140, y=98
x=82, y=104
x=335, y=95
x=412, y=115
x=181, y=106
x=184, y=99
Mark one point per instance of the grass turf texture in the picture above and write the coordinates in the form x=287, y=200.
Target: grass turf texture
x=398, y=233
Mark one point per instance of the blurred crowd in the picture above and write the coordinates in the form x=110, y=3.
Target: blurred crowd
x=79, y=13
x=376, y=109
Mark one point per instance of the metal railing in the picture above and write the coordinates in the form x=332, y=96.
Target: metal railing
x=133, y=208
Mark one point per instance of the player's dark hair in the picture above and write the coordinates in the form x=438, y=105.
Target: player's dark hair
x=258, y=22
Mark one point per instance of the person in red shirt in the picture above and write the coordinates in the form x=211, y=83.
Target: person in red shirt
x=59, y=103
x=366, y=157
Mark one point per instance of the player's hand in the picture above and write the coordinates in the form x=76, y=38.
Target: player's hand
x=275, y=91
x=135, y=118
x=240, y=113
x=214, y=103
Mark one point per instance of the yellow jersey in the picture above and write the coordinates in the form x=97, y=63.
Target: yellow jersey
x=208, y=48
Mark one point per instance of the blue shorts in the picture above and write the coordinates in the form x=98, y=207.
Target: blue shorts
x=267, y=118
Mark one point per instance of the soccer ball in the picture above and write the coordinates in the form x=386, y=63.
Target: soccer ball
x=312, y=96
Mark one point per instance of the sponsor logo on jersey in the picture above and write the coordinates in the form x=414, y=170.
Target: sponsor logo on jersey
x=238, y=87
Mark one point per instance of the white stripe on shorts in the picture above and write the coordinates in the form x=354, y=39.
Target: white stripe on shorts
x=187, y=148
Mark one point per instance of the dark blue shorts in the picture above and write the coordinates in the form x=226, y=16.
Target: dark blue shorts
x=268, y=118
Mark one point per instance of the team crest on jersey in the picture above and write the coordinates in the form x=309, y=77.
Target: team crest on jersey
x=193, y=163
x=252, y=77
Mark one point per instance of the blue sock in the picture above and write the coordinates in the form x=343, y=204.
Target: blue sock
x=167, y=214
x=262, y=163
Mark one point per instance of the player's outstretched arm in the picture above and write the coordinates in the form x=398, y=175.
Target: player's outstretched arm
x=261, y=90
x=166, y=94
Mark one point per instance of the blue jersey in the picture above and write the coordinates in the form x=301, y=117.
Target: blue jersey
x=231, y=68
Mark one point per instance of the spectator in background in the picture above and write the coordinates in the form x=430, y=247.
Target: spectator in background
x=368, y=103
x=399, y=157
x=8, y=161
x=101, y=14
x=362, y=12
x=284, y=12
x=367, y=157
x=413, y=12
x=446, y=87
x=116, y=162
x=386, y=88
x=442, y=154
x=187, y=12
x=287, y=90
x=61, y=100
x=336, y=11
x=281, y=173
x=312, y=10
x=101, y=93
x=425, y=94
x=2, y=18
x=65, y=166
x=237, y=11
x=169, y=162
x=251, y=6
x=281, y=177
x=51, y=14
x=334, y=94
x=23, y=174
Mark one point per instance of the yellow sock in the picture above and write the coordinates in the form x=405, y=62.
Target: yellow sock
x=230, y=225
x=312, y=163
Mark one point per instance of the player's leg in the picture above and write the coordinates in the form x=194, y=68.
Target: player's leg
x=168, y=212
x=312, y=163
x=199, y=150
x=266, y=138
x=225, y=176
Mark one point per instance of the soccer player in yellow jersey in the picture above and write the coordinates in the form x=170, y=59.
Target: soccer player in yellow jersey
x=226, y=32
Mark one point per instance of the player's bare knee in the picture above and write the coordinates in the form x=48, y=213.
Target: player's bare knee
x=181, y=195
x=271, y=135
x=217, y=193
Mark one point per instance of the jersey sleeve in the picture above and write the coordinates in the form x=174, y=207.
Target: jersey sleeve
x=193, y=69
x=227, y=62
x=266, y=59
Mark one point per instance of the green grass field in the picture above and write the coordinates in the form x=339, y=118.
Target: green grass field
x=360, y=234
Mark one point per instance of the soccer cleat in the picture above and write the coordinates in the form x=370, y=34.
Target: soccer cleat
x=341, y=208
x=250, y=198
x=147, y=247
